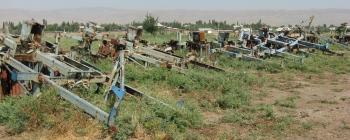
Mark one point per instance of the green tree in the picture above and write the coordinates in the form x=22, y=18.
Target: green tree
x=341, y=29
x=150, y=24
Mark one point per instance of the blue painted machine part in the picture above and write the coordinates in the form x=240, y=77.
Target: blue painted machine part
x=118, y=92
x=114, y=111
x=13, y=76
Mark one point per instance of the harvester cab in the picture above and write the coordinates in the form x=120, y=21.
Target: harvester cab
x=31, y=33
x=90, y=32
x=29, y=39
x=343, y=34
x=134, y=34
x=198, y=37
x=223, y=37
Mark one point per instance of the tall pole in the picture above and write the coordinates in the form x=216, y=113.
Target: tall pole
x=122, y=70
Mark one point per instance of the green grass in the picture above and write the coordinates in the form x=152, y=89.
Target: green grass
x=307, y=125
x=65, y=43
x=262, y=122
x=248, y=115
x=316, y=63
x=230, y=89
x=165, y=36
x=11, y=114
x=344, y=125
x=155, y=118
x=328, y=102
x=159, y=37
x=289, y=102
x=282, y=124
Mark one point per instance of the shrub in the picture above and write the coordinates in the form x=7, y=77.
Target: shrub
x=288, y=102
x=155, y=117
x=270, y=67
x=125, y=127
x=267, y=111
x=21, y=113
x=150, y=24
x=233, y=99
x=239, y=117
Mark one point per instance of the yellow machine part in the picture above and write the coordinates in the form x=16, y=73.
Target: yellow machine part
x=202, y=36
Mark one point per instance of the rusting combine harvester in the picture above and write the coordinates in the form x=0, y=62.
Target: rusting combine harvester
x=304, y=30
x=89, y=34
x=249, y=47
x=247, y=50
x=267, y=44
x=198, y=43
x=151, y=55
x=26, y=66
x=291, y=44
x=343, y=34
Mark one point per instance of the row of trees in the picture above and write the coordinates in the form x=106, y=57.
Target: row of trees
x=150, y=25
x=64, y=26
x=14, y=28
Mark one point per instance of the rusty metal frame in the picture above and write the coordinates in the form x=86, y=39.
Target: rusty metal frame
x=27, y=74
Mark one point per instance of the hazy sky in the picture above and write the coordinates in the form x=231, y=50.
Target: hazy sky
x=175, y=4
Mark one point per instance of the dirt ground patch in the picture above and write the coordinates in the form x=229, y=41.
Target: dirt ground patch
x=322, y=106
x=2, y=132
